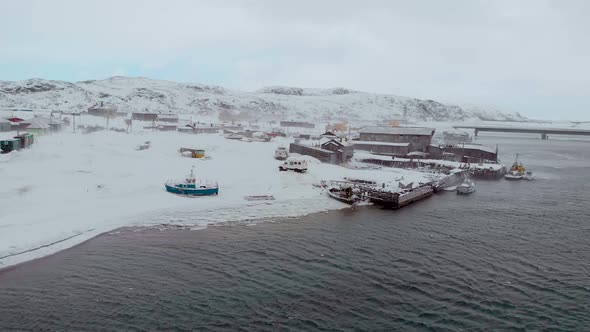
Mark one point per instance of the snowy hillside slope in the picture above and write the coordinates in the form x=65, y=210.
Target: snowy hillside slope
x=135, y=94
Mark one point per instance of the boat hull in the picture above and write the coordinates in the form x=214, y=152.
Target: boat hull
x=337, y=197
x=192, y=191
x=513, y=177
x=465, y=191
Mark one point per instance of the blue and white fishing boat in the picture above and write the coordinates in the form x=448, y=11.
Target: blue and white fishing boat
x=190, y=186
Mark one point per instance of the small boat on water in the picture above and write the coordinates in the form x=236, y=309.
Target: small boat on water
x=191, y=187
x=517, y=171
x=451, y=188
x=344, y=194
x=467, y=187
x=513, y=175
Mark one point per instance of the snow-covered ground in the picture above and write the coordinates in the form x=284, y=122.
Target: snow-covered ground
x=70, y=187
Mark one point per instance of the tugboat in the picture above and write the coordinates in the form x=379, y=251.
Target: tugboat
x=191, y=187
x=517, y=171
x=281, y=153
x=466, y=188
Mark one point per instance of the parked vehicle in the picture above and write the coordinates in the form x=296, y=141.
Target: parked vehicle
x=467, y=187
x=296, y=165
x=281, y=153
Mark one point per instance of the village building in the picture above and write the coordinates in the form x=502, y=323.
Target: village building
x=15, y=119
x=16, y=143
x=163, y=126
x=104, y=110
x=455, y=137
x=473, y=153
x=298, y=124
x=419, y=138
x=325, y=156
x=37, y=127
x=172, y=118
x=330, y=151
x=435, y=152
x=343, y=150
x=329, y=134
x=383, y=148
x=5, y=125
x=144, y=116
x=303, y=136
x=199, y=129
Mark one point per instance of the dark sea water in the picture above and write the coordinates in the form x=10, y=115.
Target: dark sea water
x=512, y=256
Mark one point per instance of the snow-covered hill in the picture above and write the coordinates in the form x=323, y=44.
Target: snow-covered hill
x=134, y=94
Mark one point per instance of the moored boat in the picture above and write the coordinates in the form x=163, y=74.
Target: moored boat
x=190, y=186
x=517, y=171
x=234, y=136
x=467, y=187
x=513, y=175
x=344, y=194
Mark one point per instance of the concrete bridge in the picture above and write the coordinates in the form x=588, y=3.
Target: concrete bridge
x=544, y=132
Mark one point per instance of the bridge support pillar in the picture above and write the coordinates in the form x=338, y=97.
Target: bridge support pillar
x=476, y=132
x=544, y=136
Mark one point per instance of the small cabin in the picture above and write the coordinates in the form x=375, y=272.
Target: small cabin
x=343, y=150
x=171, y=118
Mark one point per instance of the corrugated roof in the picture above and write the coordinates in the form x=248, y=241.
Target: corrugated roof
x=324, y=141
x=314, y=148
x=379, y=143
x=38, y=125
x=417, y=131
x=477, y=147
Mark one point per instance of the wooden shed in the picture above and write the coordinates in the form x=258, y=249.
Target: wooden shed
x=420, y=138
x=473, y=153
x=323, y=155
x=383, y=148
x=343, y=150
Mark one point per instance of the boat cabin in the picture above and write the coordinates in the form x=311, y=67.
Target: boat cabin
x=193, y=153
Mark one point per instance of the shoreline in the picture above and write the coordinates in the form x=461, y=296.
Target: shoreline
x=69, y=187
x=30, y=255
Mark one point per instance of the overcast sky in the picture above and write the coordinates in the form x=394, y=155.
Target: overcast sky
x=526, y=56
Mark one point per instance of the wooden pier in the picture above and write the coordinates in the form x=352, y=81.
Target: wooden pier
x=380, y=196
x=433, y=166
